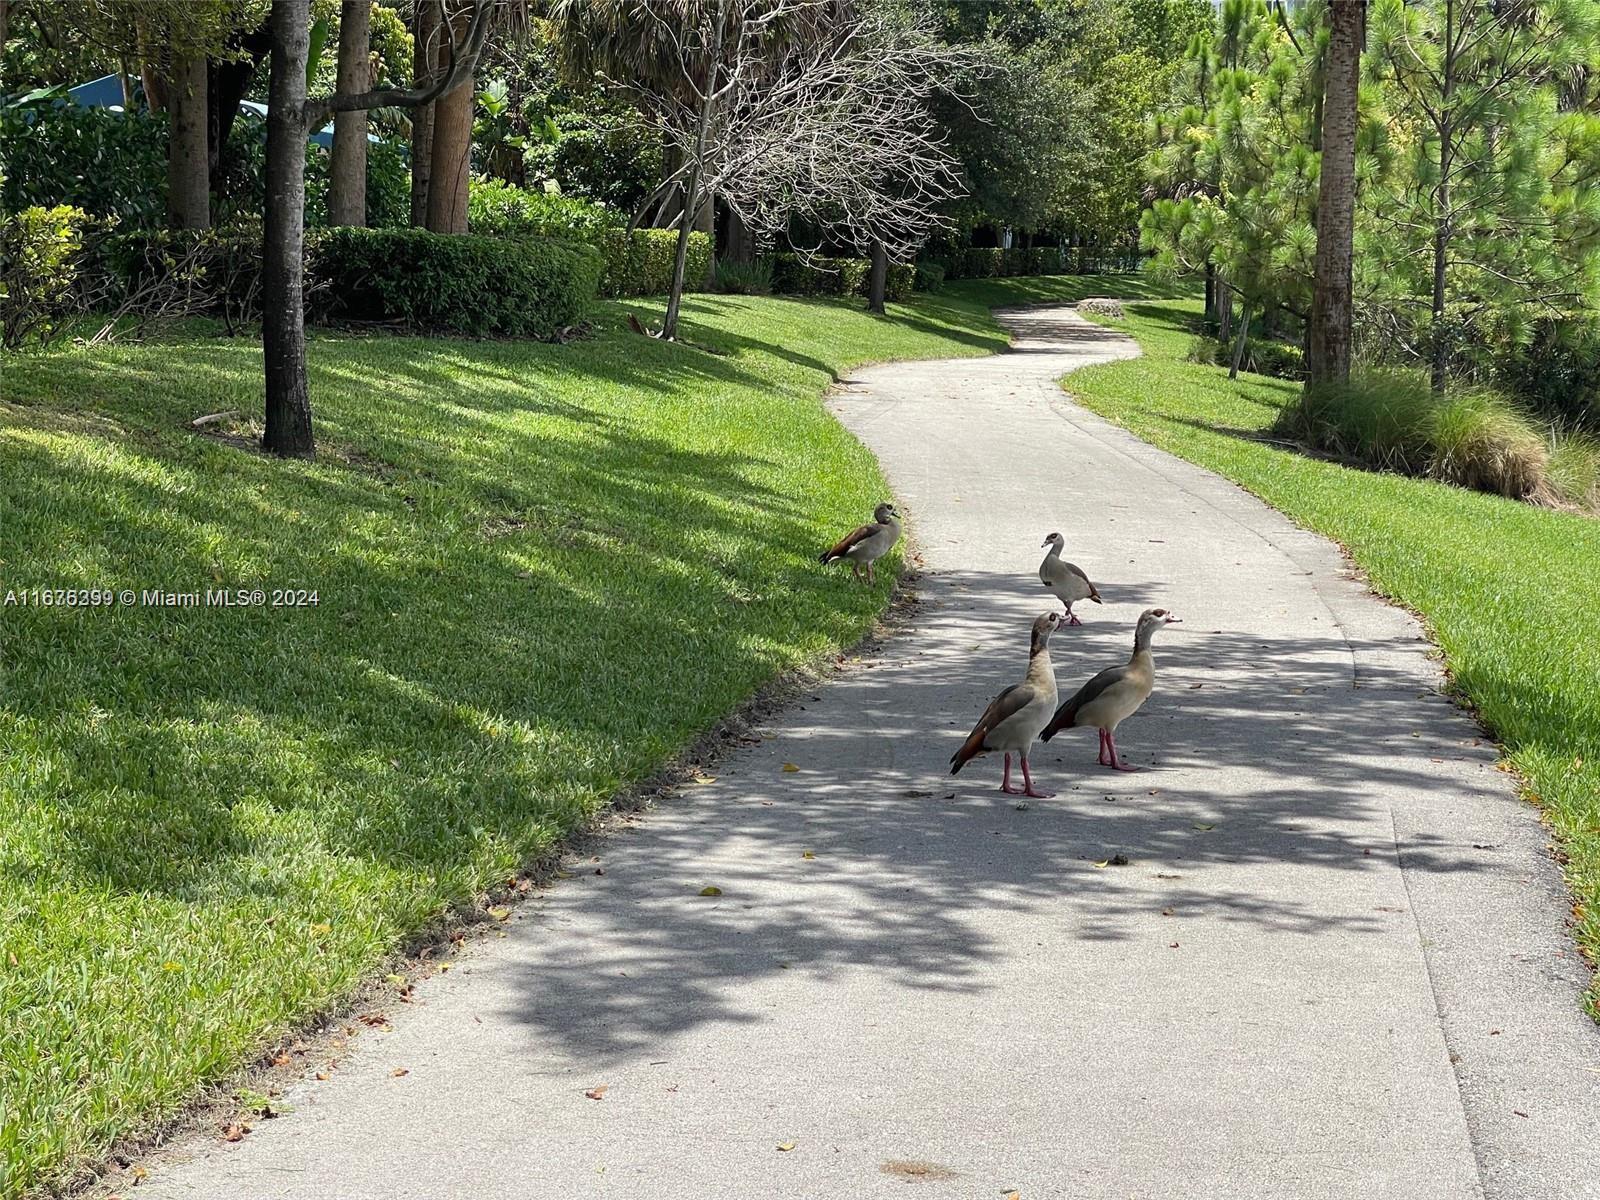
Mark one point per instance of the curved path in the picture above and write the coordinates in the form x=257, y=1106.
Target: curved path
x=1334, y=966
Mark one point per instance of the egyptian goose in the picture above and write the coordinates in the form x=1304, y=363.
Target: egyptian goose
x=1065, y=580
x=1014, y=717
x=866, y=544
x=1114, y=695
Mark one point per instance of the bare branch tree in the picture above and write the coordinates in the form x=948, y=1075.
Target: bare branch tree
x=801, y=108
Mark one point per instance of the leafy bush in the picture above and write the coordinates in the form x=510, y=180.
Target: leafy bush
x=1281, y=359
x=455, y=283
x=1481, y=440
x=1379, y=417
x=640, y=264
x=636, y=264
x=39, y=254
x=106, y=164
x=1558, y=371
x=150, y=275
x=498, y=209
x=929, y=276
x=818, y=276
x=745, y=279
x=899, y=284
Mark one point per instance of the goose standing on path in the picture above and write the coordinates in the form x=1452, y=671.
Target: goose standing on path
x=866, y=544
x=1064, y=580
x=1014, y=717
x=1115, y=694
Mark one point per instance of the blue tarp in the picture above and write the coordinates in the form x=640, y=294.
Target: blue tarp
x=106, y=92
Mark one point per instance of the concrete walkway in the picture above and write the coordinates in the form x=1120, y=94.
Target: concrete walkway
x=1334, y=966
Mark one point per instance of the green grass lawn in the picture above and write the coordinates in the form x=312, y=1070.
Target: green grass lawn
x=1507, y=588
x=540, y=572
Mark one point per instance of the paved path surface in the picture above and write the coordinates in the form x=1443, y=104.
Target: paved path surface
x=1334, y=967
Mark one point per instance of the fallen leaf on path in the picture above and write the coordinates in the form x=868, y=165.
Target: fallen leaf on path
x=235, y=1132
x=1107, y=863
x=701, y=777
x=139, y=1175
x=1202, y=827
x=790, y=768
x=1172, y=945
x=500, y=914
x=711, y=890
x=373, y=1018
x=785, y=1147
x=322, y=1076
x=400, y=1072
x=808, y=854
x=1160, y=876
x=598, y=1091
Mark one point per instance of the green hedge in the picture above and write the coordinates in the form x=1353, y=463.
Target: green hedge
x=633, y=264
x=40, y=249
x=929, y=276
x=454, y=283
x=793, y=275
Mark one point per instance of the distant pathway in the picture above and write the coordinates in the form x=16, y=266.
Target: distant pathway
x=1335, y=965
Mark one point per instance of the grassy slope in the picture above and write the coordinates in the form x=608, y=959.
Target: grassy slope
x=541, y=570
x=1507, y=588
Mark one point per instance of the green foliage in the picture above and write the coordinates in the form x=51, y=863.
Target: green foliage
x=1573, y=472
x=899, y=283
x=457, y=283
x=744, y=279
x=1481, y=440
x=636, y=264
x=928, y=277
x=107, y=164
x=991, y=262
x=39, y=253
x=793, y=275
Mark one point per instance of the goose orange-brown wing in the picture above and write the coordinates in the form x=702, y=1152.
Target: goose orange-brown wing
x=859, y=533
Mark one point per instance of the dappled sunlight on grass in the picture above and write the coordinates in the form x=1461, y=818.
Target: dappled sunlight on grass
x=1506, y=587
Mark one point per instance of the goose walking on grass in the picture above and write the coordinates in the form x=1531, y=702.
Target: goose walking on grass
x=1014, y=718
x=1066, y=581
x=866, y=544
x=1115, y=694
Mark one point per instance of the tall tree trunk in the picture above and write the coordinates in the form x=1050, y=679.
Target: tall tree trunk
x=283, y=328
x=741, y=247
x=347, y=172
x=691, y=199
x=705, y=222
x=452, y=141
x=879, y=286
x=1443, y=215
x=1211, y=290
x=188, y=157
x=425, y=29
x=1244, y=334
x=1224, y=308
x=150, y=76
x=1328, y=357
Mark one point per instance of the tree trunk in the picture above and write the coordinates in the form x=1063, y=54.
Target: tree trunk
x=155, y=84
x=1224, y=308
x=188, y=157
x=1238, y=347
x=1442, y=226
x=1329, y=343
x=283, y=330
x=741, y=247
x=706, y=222
x=691, y=199
x=347, y=173
x=880, y=279
x=1211, y=290
x=424, y=31
x=452, y=141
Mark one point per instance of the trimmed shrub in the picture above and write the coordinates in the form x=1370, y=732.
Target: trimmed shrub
x=818, y=276
x=745, y=279
x=641, y=264
x=901, y=281
x=636, y=264
x=155, y=274
x=40, y=250
x=929, y=276
x=107, y=164
x=455, y=283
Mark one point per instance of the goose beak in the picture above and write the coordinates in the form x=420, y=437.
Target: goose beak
x=1172, y=620
x=1046, y=542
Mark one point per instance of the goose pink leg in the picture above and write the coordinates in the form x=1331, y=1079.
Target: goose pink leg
x=1116, y=759
x=1102, y=758
x=1027, y=783
x=1072, y=619
x=1005, y=782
